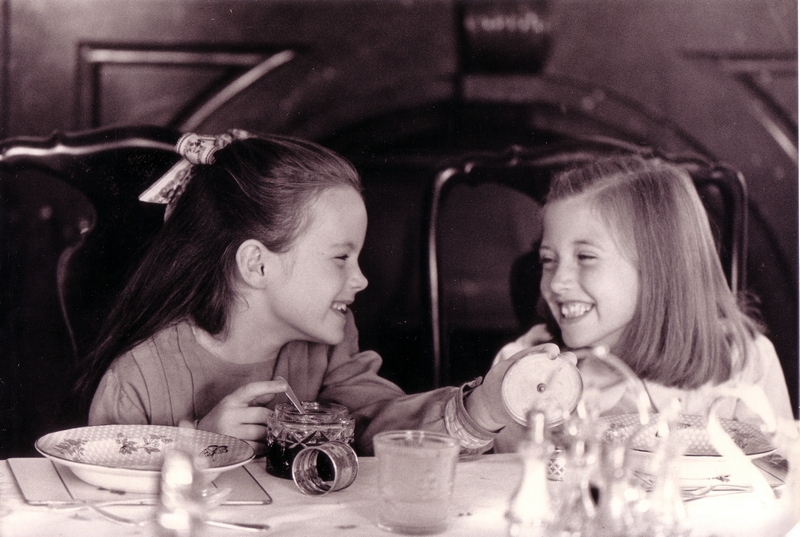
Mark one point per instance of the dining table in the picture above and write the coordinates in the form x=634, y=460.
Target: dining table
x=483, y=488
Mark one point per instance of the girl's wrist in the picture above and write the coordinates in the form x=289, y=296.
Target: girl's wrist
x=477, y=407
x=460, y=424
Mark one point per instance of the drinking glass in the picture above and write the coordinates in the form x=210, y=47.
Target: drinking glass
x=416, y=470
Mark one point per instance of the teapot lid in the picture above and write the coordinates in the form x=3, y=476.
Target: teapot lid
x=536, y=382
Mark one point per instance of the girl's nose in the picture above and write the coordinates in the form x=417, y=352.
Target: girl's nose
x=358, y=281
x=562, y=278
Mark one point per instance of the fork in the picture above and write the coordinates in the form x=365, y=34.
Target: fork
x=701, y=491
x=695, y=493
x=723, y=489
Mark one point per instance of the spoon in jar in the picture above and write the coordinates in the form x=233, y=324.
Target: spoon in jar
x=292, y=396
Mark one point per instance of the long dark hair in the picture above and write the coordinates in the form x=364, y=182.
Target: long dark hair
x=688, y=322
x=257, y=188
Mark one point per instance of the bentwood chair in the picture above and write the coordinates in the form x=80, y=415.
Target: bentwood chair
x=72, y=229
x=483, y=235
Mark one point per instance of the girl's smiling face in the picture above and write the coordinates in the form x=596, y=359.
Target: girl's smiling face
x=590, y=285
x=319, y=276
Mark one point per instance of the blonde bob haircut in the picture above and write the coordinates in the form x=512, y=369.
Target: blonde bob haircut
x=688, y=328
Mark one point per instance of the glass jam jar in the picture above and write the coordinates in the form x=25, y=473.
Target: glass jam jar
x=289, y=432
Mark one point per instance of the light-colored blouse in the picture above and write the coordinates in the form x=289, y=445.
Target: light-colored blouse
x=607, y=393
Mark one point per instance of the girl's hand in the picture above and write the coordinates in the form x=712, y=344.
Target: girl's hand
x=485, y=403
x=239, y=413
x=535, y=336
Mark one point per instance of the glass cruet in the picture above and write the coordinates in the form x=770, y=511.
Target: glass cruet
x=663, y=512
x=579, y=443
x=185, y=496
x=616, y=513
x=181, y=507
x=530, y=512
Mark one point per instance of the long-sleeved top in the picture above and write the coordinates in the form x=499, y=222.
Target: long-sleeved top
x=170, y=378
x=607, y=393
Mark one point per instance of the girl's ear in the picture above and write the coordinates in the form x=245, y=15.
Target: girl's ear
x=251, y=261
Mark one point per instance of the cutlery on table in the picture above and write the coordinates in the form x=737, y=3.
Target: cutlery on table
x=718, y=486
x=242, y=526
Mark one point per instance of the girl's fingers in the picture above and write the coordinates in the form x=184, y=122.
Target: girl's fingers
x=262, y=400
x=248, y=393
x=507, y=352
x=550, y=349
x=537, y=338
x=245, y=422
x=570, y=357
x=253, y=414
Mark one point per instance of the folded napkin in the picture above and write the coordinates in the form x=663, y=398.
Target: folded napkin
x=44, y=483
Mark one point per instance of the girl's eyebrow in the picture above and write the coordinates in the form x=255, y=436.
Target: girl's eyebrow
x=581, y=242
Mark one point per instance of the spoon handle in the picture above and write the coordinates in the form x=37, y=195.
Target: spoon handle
x=292, y=396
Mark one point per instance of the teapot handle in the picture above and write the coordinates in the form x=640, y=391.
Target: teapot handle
x=755, y=398
x=644, y=404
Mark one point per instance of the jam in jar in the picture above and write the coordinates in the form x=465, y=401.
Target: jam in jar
x=289, y=432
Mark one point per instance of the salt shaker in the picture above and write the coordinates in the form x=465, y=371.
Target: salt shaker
x=578, y=445
x=530, y=512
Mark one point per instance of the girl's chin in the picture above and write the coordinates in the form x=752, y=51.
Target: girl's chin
x=328, y=332
x=578, y=341
x=333, y=338
x=572, y=338
x=585, y=343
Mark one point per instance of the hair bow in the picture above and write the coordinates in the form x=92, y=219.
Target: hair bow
x=195, y=149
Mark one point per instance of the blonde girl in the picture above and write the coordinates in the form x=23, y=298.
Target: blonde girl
x=629, y=264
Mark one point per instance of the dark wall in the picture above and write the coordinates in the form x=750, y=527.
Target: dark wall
x=716, y=77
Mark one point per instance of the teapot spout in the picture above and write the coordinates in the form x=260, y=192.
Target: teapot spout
x=644, y=404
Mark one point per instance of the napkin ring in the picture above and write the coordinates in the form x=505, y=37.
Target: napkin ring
x=341, y=467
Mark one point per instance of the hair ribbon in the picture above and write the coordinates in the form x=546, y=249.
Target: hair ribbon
x=196, y=149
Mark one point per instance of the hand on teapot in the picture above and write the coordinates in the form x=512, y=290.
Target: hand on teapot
x=485, y=404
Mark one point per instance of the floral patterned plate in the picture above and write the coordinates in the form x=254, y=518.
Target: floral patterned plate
x=701, y=464
x=129, y=457
x=692, y=431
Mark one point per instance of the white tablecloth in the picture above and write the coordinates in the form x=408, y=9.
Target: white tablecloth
x=482, y=490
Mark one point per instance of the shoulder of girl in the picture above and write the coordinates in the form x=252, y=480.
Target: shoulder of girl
x=763, y=344
x=760, y=355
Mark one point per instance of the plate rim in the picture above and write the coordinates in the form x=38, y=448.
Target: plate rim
x=80, y=464
x=752, y=455
x=700, y=458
